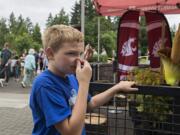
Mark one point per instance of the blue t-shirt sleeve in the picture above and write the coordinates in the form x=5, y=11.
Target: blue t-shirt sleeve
x=53, y=105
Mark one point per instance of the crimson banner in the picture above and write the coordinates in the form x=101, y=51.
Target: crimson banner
x=154, y=21
x=127, y=43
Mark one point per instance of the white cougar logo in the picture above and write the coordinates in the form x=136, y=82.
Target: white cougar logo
x=157, y=46
x=127, y=49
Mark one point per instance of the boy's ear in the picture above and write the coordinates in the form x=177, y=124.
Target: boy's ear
x=49, y=53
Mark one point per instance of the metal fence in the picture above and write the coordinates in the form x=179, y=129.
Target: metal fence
x=153, y=110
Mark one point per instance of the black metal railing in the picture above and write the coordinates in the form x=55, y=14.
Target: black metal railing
x=153, y=110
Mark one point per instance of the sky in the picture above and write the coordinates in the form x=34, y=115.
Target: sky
x=38, y=10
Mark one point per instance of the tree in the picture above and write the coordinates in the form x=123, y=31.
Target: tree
x=10, y=37
x=89, y=10
x=108, y=42
x=76, y=14
x=3, y=32
x=115, y=22
x=20, y=33
x=49, y=20
x=91, y=30
x=106, y=25
x=60, y=18
x=29, y=25
x=23, y=42
x=21, y=26
x=91, y=23
x=12, y=23
x=36, y=34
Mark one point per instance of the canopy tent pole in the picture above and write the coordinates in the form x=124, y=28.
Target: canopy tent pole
x=98, y=37
x=98, y=46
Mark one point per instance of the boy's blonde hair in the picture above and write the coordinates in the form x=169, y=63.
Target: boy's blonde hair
x=55, y=35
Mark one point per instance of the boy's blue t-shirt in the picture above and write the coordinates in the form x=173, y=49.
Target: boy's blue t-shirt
x=51, y=101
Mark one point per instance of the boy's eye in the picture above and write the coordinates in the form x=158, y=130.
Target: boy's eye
x=76, y=54
x=72, y=53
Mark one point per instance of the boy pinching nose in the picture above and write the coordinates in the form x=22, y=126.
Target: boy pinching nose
x=59, y=97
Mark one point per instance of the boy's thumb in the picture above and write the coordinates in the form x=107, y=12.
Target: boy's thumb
x=78, y=65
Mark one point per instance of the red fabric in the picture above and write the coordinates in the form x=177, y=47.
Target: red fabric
x=128, y=43
x=154, y=29
x=118, y=7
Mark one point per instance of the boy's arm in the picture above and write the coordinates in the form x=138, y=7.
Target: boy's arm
x=105, y=96
x=75, y=123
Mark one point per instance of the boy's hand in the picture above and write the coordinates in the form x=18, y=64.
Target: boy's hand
x=124, y=86
x=88, y=53
x=83, y=71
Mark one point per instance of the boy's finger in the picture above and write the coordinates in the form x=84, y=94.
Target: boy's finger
x=86, y=56
x=78, y=64
x=87, y=46
x=134, y=89
x=132, y=83
x=90, y=54
x=86, y=63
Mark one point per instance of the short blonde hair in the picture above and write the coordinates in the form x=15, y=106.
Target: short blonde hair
x=55, y=35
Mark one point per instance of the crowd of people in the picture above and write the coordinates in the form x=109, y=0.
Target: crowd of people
x=21, y=68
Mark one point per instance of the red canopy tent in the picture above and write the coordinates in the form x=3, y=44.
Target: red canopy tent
x=127, y=9
x=118, y=7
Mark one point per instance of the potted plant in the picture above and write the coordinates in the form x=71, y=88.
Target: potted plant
x=149, y=113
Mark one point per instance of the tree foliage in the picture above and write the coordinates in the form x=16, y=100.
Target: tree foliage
x=36, y=34
x=76, y=14
x=20, y=33
x=3, y=31
x=61, y=18
x=108, y=42
x=107, y=27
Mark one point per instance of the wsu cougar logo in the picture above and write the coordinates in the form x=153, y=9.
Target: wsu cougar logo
x=127, y=49
x=157, y=46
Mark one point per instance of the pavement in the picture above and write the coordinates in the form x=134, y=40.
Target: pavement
x=15, y=114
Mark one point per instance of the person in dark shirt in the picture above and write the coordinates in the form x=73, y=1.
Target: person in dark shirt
x=5, y=61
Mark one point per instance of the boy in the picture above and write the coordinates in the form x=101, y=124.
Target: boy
x=59, y=99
